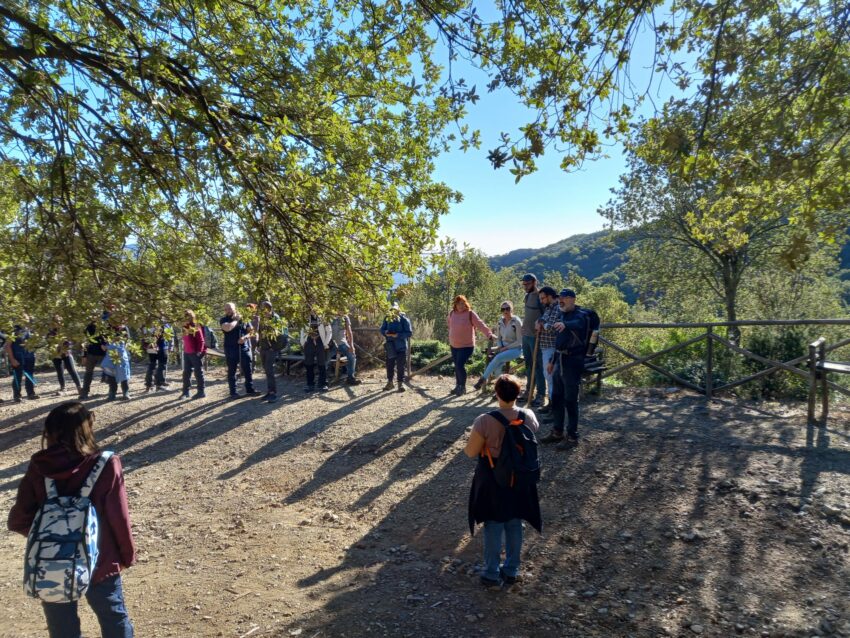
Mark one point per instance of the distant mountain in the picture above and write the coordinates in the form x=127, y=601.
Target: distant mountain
x=595, y=256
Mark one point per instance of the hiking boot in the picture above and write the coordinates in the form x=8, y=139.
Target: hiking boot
x=161, y=388
x=251, y=393
x=537, y=403
x=32, y=397
x=568, y=443
x=272, y=398
x=18, y=399
x=234, y=395
x=149, y=389
x=110, y=397
x=461, y=390
x=401, y=388
x=307, y=388
x=389, y=385
x=353, y=381
x=125, y=396
x=480, y=383
x=184, y=394
x=509, y=580
x=552, y=437
x=324, y=388
x=489, y=582
x=61, y=392
x=199, y=395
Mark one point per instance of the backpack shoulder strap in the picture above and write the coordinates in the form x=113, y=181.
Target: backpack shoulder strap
x=501, y=418
x=50, y=488
x=91, y=479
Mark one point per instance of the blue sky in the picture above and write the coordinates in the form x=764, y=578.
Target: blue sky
x=497, y=215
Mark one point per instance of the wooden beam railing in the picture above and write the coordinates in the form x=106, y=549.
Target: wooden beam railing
x=711, y=338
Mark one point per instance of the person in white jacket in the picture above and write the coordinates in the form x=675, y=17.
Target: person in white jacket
x=315, y=341
x=509, y=331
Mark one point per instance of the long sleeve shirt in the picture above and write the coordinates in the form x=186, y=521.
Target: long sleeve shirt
x=510, y=334
x=462, y=327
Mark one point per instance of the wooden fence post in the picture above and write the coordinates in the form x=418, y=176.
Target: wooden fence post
x=813, y=380
x=823, y=388
x=709, y=363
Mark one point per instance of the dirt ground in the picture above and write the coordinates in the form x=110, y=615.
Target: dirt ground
x=344, y=514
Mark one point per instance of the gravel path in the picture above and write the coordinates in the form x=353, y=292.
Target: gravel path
x=344, y=514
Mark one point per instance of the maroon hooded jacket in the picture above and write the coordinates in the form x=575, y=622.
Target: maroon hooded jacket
x=69, y=470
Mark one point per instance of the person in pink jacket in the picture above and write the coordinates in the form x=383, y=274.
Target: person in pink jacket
x=68, y=455
x=462, y=322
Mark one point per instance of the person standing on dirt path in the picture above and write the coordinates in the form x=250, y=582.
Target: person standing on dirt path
x=397, y=331
x=68, y=454
x=546, y=326
x=237, y=349
x=566, y=367
x=501, y=508
x=22, y=360
x=93, y=352
x=194, y=350
x=61, y=348
x=315, y=342
x=462, y=322
x=268, y=332
x=533, y=309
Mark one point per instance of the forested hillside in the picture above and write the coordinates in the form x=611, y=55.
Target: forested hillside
x=596, y=256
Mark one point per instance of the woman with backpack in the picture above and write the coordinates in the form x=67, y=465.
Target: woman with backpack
x=462, y=322
x=504, y=487
x=69, y=454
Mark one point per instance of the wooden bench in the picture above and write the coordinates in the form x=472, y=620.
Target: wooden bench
x=819, y=367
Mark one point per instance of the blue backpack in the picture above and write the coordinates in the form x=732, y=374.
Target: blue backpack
x=62, y=544
x=518, y=463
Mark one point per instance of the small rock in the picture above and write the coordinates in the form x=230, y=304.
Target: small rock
x=471, y=618
x=815, y=543
x=697, y=629
x=831, y=510
x=412, y=599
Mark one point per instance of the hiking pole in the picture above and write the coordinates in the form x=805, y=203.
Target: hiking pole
x=531, y=382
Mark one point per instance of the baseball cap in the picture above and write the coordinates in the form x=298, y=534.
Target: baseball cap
x=567, y=292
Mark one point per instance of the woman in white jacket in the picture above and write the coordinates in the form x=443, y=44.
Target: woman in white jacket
x=510, y=342
x=315, y=340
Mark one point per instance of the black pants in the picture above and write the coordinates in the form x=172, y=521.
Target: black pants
x=23, y=375
x=566, y=381
x=397, y=364
x=192, y=362
x=158, y=362
x=68, y=362
x=242, y=359
x=112, y=382
x=314, y=354
x=460, y=356
x=92, y=362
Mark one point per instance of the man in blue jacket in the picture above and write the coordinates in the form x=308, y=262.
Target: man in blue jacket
x=566, y=366
x=397, y=331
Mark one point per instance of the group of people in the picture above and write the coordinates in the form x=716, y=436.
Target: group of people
x=555, y=335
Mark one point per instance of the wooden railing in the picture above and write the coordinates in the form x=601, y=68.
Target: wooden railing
x=712, y=339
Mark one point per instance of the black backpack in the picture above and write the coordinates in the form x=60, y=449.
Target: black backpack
x=519, y=462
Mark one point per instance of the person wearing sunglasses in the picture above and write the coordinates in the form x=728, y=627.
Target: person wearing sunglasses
x=509, y=333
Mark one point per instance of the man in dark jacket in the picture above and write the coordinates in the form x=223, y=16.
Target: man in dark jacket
x=566, y=366
x=237, y=349
x=397, y=331
x=93, y=352
x=22, y=360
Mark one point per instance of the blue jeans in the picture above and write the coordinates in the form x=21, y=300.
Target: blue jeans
x=342, y=350
x=106, y=599
x=460, y=356
x=241, y=358
x=499, y=360
x=548, y=353
x=493, y=533
x=528, y=355
x=23, y=375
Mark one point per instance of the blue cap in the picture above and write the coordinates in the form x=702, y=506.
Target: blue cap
x=567, y=292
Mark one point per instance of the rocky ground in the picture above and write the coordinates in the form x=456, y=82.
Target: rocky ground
x=344, y=514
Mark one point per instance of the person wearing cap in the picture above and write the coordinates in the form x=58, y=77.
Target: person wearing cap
x=546, y=326
x=462, y=322
x=566, y=366
x=268, y=332
x=397, y=330
x=509, y=330
x=533, y=309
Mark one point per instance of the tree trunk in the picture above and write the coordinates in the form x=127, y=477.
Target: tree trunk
x=731, y=280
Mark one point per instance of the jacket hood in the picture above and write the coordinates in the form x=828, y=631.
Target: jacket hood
x=58, y=463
